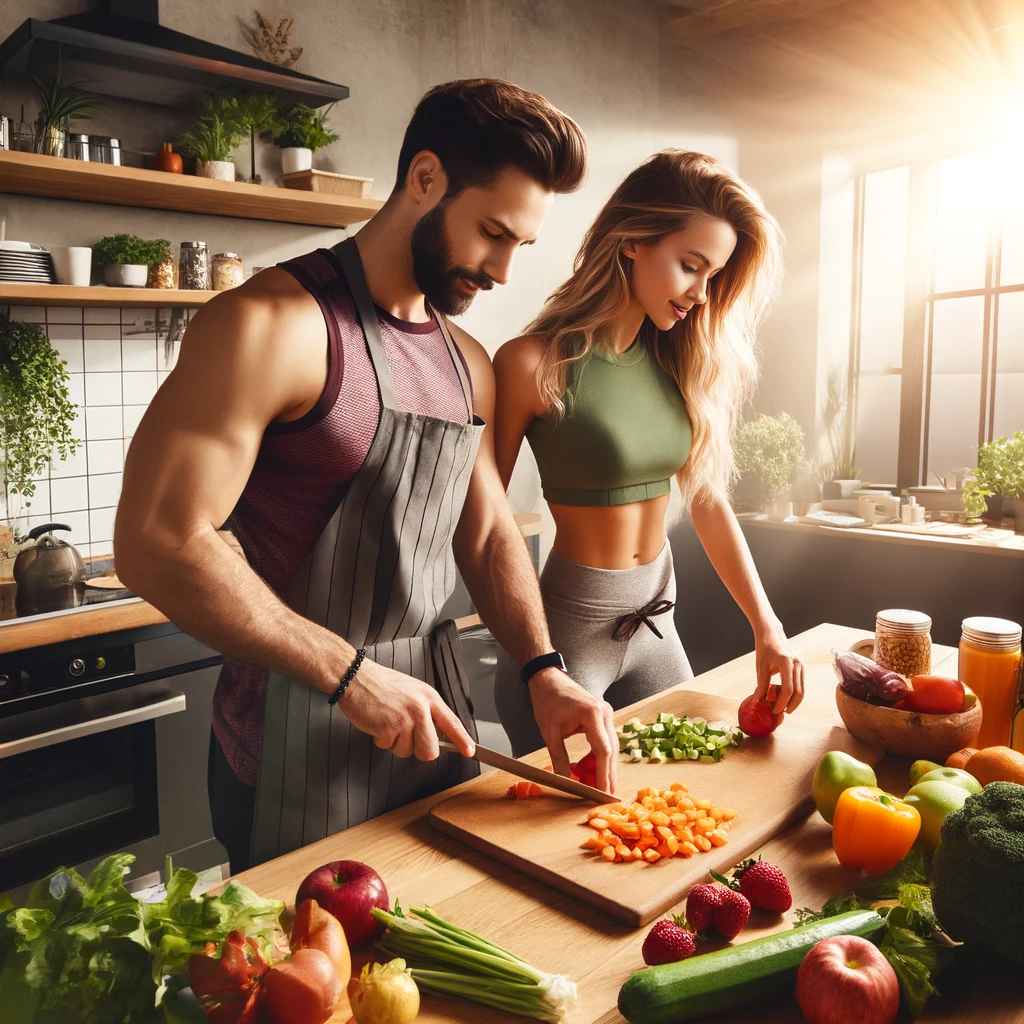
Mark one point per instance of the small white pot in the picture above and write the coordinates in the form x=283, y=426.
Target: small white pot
x=125, y=276
x=780, y=509
x=847, y=487
x=72, y=264
x=221, y=170
x=296, y=158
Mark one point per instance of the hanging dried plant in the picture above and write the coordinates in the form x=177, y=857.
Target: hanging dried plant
x=269, y=37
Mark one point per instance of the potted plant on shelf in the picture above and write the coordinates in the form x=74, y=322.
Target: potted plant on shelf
x=37, y=415
x=1000, y=473
x=211, y=141
x=303, y=131
x=840, y=476
x=126, y=259
x=60, y=103
x=253, y=113
x=769, y=452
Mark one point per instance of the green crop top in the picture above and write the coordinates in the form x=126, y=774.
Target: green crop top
x=624, y=435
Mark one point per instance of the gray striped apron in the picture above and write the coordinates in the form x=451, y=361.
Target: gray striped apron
x=378, y=576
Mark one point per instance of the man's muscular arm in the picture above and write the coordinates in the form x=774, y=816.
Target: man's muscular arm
x=250, y=357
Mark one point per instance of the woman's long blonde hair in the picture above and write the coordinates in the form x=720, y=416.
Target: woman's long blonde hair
x=711, y=354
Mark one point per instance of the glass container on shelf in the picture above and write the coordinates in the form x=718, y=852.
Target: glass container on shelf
x=194, y=267
x=228, y=271
x=990, y=664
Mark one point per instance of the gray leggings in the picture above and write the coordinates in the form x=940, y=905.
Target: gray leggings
x=583, y=607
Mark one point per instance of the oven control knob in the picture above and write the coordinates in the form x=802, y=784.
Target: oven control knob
x=5, y=683
x=77, y=667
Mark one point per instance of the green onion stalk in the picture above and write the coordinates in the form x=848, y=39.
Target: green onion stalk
x=452, y=961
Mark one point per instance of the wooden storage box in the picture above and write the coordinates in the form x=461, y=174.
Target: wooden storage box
x=330, y=183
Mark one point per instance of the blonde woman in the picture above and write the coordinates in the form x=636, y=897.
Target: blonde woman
x=634, y=373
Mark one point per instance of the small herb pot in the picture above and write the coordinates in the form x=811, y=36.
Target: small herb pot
x=126, y=275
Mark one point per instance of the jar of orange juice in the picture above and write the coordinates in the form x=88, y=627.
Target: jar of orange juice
x=990, y=661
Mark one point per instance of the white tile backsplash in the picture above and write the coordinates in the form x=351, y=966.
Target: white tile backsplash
x=104, y=490
x=139, y=387
x=103, y=389
x=105, y=457
x=69, y=495
x=138, y=354
x=104, y=423
x=102, y=355
x=131, y=417
x=116, y=359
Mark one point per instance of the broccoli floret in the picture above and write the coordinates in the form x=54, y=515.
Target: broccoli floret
x=978, y=871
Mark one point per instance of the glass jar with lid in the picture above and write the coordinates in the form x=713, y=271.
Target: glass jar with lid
x=194, y=267
x=903, y=641
x=228, y=271
x=990, y=664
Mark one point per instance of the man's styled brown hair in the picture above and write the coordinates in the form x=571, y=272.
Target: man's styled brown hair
x=479, y=126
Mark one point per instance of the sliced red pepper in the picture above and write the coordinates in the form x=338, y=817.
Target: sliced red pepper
x=228, y=986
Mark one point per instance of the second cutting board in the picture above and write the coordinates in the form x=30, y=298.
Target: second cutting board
x=768, y=781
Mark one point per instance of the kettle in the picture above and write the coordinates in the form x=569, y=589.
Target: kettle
x=49, y=562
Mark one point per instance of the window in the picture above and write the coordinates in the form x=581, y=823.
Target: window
x=937, y=314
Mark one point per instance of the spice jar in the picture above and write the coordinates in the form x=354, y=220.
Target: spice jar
x=903, y=641
x=990, y=664
x=194, y=267
x=228, y=271
x=163, y=274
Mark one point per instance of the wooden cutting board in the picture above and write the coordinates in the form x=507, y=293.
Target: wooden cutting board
x=768, y=781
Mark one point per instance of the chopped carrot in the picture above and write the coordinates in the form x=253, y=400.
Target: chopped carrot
x=608, y=853
x=598, y=823
x=535, y=790
x=718, y=837
x=728, y=813
x=652, y=856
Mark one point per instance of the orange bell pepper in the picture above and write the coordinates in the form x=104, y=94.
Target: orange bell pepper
x=873, y=830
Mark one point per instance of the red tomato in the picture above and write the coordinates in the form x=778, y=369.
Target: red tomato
x=756, y=718
x=935, y=695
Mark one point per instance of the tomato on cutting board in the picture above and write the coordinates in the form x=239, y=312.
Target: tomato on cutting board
x=756, y=717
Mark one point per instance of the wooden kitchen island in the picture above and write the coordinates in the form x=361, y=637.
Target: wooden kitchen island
x=556, y=933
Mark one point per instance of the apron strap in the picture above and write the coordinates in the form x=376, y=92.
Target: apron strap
x=453, y=351
x=352, y=265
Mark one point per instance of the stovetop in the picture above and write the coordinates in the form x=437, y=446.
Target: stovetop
x=43, y=604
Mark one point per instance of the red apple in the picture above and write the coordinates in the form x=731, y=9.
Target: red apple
x=846, y=980
x=348, y=889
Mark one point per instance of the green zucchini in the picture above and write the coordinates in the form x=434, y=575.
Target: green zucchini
x=752, y=972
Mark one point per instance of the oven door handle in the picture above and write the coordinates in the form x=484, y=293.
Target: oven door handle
x=35, y=730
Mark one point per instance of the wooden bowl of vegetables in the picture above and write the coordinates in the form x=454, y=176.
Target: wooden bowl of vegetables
x=884, y=710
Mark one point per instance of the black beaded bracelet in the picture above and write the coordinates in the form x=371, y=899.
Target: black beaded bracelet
x=347, y=677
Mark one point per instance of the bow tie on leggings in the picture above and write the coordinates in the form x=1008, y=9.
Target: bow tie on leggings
x=627, y=626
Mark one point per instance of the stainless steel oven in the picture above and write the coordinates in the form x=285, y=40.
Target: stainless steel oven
x=102, y=748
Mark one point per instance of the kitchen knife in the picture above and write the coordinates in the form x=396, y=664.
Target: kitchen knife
x=527, y=771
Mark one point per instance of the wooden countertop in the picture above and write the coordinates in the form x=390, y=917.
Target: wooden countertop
x=101, y=618
x=556, y=933
x=1000, y=542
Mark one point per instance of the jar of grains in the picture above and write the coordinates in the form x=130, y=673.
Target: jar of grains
x=903, y=641
x=194, y=267
x=228, y=271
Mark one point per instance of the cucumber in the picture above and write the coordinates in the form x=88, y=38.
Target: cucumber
x=753, y=972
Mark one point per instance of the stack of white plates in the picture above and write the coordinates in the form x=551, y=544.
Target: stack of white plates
x=25, y=262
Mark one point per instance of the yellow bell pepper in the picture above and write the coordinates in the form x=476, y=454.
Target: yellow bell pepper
x=872, y=829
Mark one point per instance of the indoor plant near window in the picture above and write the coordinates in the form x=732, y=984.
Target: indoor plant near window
x=60, y=103
x=303, y=131
x=1000, y=472
x=36, y=412
x=840, y=476
x=770, y=452
x=126, y=259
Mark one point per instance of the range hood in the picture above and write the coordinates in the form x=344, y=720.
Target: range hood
x=121, y=49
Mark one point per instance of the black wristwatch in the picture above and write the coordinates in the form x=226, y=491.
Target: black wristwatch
x=531, y=668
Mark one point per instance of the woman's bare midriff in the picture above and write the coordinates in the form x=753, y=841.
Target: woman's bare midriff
x=611, y=536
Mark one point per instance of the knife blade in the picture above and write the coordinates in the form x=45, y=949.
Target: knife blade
x=527, y=771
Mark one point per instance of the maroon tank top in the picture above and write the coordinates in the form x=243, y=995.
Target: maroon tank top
x=303, y=467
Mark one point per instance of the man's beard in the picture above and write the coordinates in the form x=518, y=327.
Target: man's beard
x=432, y=270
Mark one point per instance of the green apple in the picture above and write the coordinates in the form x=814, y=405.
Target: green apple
x=954, y=776
x=919, y=768
x=837, y=771
x=934, y=800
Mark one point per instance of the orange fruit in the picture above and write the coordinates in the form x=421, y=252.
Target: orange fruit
x=997, y=764
x=960, y=758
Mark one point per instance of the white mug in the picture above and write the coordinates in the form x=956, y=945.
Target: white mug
x=72, y=264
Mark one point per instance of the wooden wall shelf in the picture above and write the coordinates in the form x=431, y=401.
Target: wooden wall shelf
x=56, y=178
x=68, y=295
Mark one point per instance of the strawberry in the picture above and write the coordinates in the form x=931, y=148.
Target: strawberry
x=668, y=942
x=765, y=885
x=732, y=913
x=701, y=903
